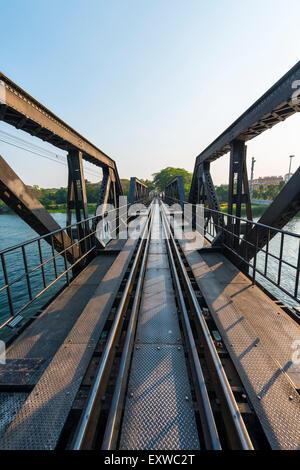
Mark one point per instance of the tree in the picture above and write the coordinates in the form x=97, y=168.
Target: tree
x=222, y=192
x=125, y=183
x=165, y=176
x=150, y=184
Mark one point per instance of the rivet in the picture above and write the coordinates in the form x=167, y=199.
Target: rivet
x=291, y=397
x=131, y=394
x=179, y=348
x=259, y=397
x=158, y=347
x=186, y=398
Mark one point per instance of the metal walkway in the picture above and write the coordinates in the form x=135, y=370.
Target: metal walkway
x=159, y=410
x=259, y=337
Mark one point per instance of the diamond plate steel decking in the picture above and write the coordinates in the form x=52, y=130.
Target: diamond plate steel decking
x=159, y=409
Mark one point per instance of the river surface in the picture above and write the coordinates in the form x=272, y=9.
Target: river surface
x=14, y=231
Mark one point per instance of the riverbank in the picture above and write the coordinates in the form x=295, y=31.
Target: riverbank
x=257, y=210
x=58, y=209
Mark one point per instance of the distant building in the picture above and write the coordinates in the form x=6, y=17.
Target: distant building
x=265, y=181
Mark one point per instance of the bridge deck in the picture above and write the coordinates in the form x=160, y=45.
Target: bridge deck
x=259, y=336
x=158, y=411
x=63, y=338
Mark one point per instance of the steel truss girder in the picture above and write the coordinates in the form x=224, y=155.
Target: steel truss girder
x=138, y=191
x=238, y=190
x=76, y=197
x=272, y=107
x=277, y=104
x=23, y=202
x=203, y=192
x=174, y=191
x=21, y=110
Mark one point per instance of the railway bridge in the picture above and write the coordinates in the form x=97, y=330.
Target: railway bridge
x=156, y=323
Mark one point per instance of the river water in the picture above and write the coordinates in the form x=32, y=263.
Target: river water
x=13, y=231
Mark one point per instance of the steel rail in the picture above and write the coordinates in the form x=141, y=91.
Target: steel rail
x=237, y=432
x=208, y=424
x=86, y=429
x=114, y=417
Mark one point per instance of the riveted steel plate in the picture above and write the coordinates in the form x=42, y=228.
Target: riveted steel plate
x=159, y=414
x=270, y=390
x=41, y=418
x=10, y=404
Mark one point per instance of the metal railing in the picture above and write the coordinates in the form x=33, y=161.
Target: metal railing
x=34, y=267
x=277, y=262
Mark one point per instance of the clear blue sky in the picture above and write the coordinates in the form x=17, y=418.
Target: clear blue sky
x=151, y=82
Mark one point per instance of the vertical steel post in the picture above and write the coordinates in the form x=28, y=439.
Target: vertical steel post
x=238, y=191
x=77, y=198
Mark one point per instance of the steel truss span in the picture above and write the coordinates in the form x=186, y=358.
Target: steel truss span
x=277, y=104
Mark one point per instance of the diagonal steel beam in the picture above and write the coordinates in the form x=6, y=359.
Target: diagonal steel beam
x=24, y=203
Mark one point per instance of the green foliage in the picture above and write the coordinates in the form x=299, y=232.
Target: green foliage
x=163, y=177
x=125, y=186
x=55, y=199
x=150, y=184
x=270, y=192
x=222, y=193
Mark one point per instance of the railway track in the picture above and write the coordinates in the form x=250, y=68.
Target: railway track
x=157, y=379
